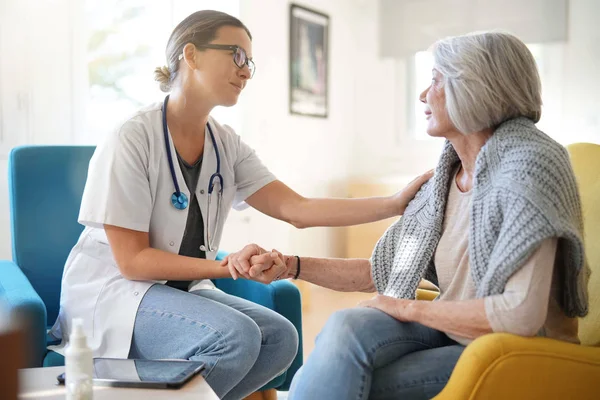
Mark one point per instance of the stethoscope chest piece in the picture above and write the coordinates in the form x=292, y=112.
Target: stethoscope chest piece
x=180, y=201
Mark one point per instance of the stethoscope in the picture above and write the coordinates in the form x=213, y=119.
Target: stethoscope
x=178, y=199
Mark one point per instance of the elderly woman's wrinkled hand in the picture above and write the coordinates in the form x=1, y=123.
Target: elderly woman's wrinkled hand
x=396, y=308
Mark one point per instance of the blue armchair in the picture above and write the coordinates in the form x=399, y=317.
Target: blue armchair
x=45, y=188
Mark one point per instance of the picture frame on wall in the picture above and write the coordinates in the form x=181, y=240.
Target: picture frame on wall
x=309, y=62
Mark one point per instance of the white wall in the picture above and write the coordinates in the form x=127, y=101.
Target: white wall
x=312, y=155
x=534, y=21
x=581, y=63
x=383, y=151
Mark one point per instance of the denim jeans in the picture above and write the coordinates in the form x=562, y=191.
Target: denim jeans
x=243, y=344
x=363, y=353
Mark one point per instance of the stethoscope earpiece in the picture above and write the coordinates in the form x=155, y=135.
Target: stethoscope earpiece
x=178, y=199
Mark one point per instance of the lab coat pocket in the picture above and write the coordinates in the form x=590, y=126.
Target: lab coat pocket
x=98, y=247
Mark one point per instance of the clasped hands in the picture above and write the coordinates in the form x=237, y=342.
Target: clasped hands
x=257, y=264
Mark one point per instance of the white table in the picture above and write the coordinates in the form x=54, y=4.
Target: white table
x=40, y=383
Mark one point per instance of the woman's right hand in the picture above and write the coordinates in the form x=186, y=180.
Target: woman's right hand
x=404, y=196
x=255, y=263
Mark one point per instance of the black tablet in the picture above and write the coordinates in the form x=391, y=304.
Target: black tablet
x=143, y=373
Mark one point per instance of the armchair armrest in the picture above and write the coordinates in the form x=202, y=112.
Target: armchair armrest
x=24, y=302
x=504, y=366
x=427, y=291
x=426, y=294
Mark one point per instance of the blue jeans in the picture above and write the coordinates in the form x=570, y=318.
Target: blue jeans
x=243, y=344
x=363, y=353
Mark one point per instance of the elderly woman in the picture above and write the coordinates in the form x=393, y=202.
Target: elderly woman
x=498, y=229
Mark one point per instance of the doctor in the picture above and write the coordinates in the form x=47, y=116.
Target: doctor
x=158, y=192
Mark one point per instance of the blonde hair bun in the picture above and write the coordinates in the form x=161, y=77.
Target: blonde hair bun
x=163, y=76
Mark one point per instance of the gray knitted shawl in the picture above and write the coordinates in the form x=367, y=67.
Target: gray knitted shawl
x=524, y=192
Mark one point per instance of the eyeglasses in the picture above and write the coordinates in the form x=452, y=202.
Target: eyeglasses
x=240, y=58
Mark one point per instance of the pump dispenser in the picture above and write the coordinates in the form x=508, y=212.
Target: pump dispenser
x=78, y=364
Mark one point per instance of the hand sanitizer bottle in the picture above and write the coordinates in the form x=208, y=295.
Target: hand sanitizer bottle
x=78, y=364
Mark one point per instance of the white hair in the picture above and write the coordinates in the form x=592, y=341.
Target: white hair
x=488, y=78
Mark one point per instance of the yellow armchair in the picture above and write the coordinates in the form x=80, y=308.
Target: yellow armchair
x=503, y=366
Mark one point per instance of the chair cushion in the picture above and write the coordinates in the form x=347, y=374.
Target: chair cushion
x=53, y=359
x=585, y=158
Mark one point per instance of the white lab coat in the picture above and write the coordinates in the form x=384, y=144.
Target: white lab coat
x=129, y=185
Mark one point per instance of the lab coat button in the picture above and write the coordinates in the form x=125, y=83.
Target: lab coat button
x=171, y=243
x=203, y=248
x=136, y=293
x=202, y=191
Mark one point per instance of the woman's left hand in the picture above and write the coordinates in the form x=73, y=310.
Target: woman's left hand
x=403, y=197
x=396, y=308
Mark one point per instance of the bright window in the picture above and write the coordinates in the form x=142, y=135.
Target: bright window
x=126, y=41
